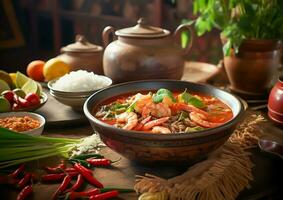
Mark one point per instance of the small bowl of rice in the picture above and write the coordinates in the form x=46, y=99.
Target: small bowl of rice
x=74, y=88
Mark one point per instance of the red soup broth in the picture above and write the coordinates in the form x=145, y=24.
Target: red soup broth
x=218, y=111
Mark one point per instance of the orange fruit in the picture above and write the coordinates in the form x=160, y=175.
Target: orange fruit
x=35, y=70
x=55, y=68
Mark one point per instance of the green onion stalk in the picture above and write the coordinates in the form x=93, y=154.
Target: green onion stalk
x=16, y=148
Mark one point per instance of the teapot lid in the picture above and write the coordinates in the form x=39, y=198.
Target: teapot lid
x=142, y=30
x=81, y=45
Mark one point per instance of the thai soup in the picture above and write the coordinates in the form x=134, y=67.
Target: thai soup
x=164, y=111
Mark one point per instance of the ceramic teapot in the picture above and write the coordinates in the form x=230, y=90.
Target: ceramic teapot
x=144, y=52
x=83, y=55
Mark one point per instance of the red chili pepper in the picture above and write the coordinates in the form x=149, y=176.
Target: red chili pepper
x=56, y=177
x=75, y=195
x=57, y=169
x=24, y=181
x=70, y=170
x=99, y=162
x=92, y=192
x=62, y=187
x=89, y=177
x=78, y=183
x=17, y=172
x=25, y=193
x=106, y=195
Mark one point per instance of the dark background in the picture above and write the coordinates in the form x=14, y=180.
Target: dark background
x=47, y=25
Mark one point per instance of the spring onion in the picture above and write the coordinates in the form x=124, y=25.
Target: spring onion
x=16, y=148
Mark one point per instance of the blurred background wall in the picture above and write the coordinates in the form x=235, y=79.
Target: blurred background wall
x=37, y=29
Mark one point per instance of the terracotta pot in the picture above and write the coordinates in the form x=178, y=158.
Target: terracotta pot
x=275, y=102
x=83, y=55
x=253, y=68
x=144, y=52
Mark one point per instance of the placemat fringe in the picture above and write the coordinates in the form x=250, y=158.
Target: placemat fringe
x=222, y=176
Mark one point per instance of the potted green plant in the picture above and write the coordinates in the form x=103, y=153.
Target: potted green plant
x=251, y=33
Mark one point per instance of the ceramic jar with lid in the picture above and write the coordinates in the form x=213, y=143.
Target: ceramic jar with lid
x=83, y=55
x=144, y=52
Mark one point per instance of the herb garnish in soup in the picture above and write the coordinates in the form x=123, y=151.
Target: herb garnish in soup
x=164, y=112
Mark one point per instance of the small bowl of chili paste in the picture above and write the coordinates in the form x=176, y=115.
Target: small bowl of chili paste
x=23, y=122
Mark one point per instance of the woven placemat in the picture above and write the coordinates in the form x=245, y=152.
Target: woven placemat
x=222, y=176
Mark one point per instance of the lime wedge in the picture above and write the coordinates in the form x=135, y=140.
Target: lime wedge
x=21, y=79
x=6, y=77
x=4, y=105
x=30, y=87
x=39, y=89
x=3, y=86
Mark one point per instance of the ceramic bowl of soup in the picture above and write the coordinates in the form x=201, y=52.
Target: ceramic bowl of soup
x=161, y=121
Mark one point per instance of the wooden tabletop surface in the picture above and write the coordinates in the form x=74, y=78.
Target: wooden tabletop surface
x=268, y=170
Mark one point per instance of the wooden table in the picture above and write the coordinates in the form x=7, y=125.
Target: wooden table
x=268, y=170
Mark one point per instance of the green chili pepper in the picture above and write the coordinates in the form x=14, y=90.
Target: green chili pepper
x=82, y=162
x=86, y=156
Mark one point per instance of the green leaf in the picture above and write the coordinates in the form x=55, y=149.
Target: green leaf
x=227, y=48
x=196, y=102
x=161, y=93
x=185, y=38
x=184, y=97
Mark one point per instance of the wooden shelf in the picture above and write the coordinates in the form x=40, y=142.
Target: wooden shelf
x=54, y=13
x=77, y=16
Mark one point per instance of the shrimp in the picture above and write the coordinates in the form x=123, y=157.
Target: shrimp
x=189, y=108
x=142, y=123
x=201, y=120
x=160, y=129
x=155, y=122
x=130, y=118
x=156, y=110
x=141, y=101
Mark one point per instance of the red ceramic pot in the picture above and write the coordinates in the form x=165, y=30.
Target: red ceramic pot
x=275, y=102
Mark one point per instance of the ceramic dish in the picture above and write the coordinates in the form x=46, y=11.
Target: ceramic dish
x=36, y=131
x=43, y=100
x=157, y=148
x=72, y=99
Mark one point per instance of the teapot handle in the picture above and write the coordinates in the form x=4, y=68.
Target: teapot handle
x=106, y=33
x=177, y=37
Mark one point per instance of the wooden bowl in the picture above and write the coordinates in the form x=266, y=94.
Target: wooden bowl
x=158, y=148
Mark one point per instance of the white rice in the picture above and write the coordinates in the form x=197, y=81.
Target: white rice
x=81, y=81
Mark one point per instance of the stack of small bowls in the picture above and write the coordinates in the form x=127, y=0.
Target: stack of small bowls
x=73, y=99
